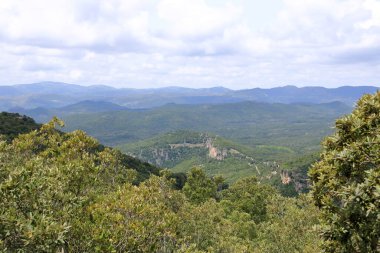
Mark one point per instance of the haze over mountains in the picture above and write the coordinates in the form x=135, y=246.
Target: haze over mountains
x=49, y=95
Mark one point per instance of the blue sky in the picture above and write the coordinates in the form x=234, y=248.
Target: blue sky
x=199, y=43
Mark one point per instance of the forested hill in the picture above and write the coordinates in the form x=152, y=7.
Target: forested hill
x=298, y=126
x=13, y=124
x=182, y=150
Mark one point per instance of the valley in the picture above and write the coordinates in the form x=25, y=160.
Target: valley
x=219, y=130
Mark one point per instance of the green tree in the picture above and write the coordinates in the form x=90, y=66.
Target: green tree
x=136, y=218
x=291, y=226
x=47, y=178
x=249, y=196
x=154, y=217
x=346, y=182
x=199, y=187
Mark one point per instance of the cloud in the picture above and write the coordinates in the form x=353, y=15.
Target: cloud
x=196, y=20
x=95, y=25
x=327, y=27
x=148, y=43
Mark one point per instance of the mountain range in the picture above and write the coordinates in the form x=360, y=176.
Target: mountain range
x=49, y=95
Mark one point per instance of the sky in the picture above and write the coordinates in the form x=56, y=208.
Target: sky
x=198, y=43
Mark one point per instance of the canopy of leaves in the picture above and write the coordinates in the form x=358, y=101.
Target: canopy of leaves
x=346, y=182
x=46, y=179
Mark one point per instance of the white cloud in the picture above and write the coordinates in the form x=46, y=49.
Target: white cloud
x=196, y=19
x=83, y=24
x=190, y=43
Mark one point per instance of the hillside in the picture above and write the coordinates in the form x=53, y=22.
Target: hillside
x=299, y=127
x=88, y=106
x=182, y=150
x=13, y=124
x=42, y=114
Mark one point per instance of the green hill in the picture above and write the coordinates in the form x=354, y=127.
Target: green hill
x=182, y=150
x=299, y=127
x=13, y=124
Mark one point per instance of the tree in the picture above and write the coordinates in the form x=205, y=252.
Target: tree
x=346, y=182
x=136, y=218
x=199, y=187
x=249, y=196
x=290, y=227
x=47, y=179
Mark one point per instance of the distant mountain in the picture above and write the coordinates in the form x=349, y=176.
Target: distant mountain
x=42, y=114
x=291, y=94
x=54, y=94
x=53, y=88
x=89, y=106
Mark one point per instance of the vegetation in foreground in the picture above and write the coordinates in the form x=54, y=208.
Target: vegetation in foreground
x=347, y=181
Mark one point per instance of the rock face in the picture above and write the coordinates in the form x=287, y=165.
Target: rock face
x=205, y=145
x=285, y=178
x=214, y=152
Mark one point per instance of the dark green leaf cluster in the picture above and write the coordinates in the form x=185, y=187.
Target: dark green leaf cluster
x=13, y=124
x=346, y=182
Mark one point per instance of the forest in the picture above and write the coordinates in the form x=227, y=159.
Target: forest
x=66, y=192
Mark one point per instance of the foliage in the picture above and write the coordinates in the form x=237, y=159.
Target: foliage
x=299, y=127
x=249, y=196
x=198, y=187
x=346, y=182
x=290, y=226
x=67, y=193
x=180, y=179
x=137, y=219
x=13, y=124
x=46, y=179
